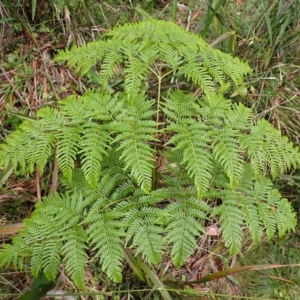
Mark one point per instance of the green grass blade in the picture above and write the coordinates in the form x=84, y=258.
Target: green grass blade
x=211, y=13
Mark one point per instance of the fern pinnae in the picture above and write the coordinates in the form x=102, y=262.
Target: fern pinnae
x=137, y=155
x=252, y=218
x=268, y=219
x=239, y=117
x=235, y=69
x=148, y=52
x=285, y=217
x=74, y=111
x=185, y=219
x=42, y=141
x=51, y=258
x=144, y=230
x=193, y=72
x=12, y=254
x=111, y=62
x=126, y=188
x=193, y=141
x=94, y=144
x=101, y=105
x=92, y=53
x=105, y=232
x=170, y=55
x=45, y=145
x=179, y=105
x=255, y=149
x=67, y=149
x=99, y=198
x=210, y=63
x=231, y=220
x=50, y=118
x=226, y=151
x=75, y=255
x=135, y=73
x=36, y=259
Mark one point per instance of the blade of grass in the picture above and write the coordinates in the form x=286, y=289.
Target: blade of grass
x=4, y=175
x=138, y=267
x=174, y=10
x=211, y=13
x=231, y=271
x=222, y=37
x=268, y=20
x=134, y=265
x=155, y=280
x=33, y=9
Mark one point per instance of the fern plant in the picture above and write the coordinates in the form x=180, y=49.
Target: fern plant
x=145, y=155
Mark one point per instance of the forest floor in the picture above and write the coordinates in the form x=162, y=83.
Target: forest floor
x=264, y=35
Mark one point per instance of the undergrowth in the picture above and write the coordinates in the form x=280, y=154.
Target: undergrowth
x=275, y=283
x=145, y=157
x=247, y=29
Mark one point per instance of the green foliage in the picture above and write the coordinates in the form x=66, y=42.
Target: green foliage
x=143, y=159
x=280, y=283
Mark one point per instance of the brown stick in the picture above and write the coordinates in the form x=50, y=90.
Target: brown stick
x=7, y=231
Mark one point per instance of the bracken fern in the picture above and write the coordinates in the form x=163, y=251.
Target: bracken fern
x=146, y=156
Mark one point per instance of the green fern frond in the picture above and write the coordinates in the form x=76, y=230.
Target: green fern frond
x=101, y=105
x=180, y=105
x=135, y=71
x=193, y=140
x=111, y=61
x=106, y=227
x=210, y=61
x=254, y=204
x=155, y=40
x=15, y=254
x=192, y=71
x=50, y=118
x=170, y=55
x=252, y=219
x=226, y=151
x=144, y=230
x=52, y=234
x=11, y=151
x=266, y=148
x=239, y=117
x=93, y=144
x=184, y=219
x=92, y=53
x=266, y=215
x=74, y=111
x=75, y=255
x=231, y=219
x=68, y=148
x=44, y=148
x=136, y=153
x=51, y=258
x=285, y=217
x=37, y=259
x=105, y=232
x=233, y=68
x=214, y=112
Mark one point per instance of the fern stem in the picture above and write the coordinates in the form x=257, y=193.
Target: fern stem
x=54, y=183
x=157, y=126
x=174, y=11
